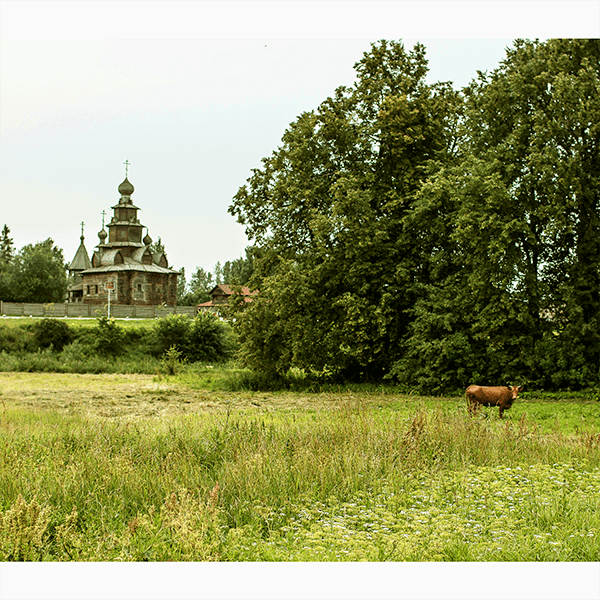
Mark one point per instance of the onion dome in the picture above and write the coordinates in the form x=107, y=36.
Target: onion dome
x=126, y=189
x=147, y=239
x=102, y=235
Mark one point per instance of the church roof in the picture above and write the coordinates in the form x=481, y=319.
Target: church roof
x=129, y=264
x=81, y=260
x=130, y=267
x=126, y=188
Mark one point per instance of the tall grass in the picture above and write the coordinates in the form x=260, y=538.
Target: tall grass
x=351, y=482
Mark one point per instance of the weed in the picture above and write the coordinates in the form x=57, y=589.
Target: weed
x=23, y=529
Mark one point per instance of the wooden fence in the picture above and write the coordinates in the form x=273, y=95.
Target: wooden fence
x=74, y=310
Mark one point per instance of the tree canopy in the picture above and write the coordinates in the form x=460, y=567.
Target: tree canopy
x=328, y=212
x=437, y=237
x=37, y=273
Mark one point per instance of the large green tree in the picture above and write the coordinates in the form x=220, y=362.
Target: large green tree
x=518, y=294
x=338, y=268
x=37, y=273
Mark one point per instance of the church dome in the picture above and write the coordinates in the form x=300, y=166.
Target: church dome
x=102, y=235
x=147, y=239
x=126, y=189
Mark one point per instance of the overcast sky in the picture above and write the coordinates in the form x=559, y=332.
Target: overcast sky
x=194, y=94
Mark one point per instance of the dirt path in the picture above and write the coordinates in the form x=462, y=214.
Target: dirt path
x=114, y=395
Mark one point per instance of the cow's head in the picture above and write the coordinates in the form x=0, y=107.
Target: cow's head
x=515, y=389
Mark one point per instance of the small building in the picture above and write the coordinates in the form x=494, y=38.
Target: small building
x=126, y=263
x=221, y=294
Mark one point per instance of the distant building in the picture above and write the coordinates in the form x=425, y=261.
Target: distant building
x=221, y=294
x=124, y=260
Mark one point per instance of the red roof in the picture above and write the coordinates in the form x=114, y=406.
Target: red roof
x=228, y=291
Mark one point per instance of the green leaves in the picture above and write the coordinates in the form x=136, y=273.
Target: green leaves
x=204, y=338
x=327, y=211
x=434, y=236
x=37, y=273
x=513, y=236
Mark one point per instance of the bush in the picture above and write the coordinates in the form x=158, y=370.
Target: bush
x=52, y=332
x=171, y=331
x=15, y=339
x=210, y=340
x=204, y=338
x=171, y=361
x=109, y=337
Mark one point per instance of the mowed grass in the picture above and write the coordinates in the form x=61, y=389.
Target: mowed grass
x=110, y=468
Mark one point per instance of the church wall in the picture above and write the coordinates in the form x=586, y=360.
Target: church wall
x=131, y=287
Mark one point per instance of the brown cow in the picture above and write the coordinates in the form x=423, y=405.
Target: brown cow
x=481, y=395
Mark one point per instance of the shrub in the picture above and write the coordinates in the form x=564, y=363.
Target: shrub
x=204, y=338
x=109, y=337
x=15, y=339
x=171, y=361
x=171, y=331
x=210, y=340
x=52, y=332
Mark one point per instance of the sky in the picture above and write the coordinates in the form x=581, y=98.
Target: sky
x=194, y=94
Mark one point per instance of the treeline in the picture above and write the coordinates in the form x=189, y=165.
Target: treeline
x=37, y=273
x=431, y=236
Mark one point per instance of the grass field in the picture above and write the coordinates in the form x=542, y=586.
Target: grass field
x=140, y=467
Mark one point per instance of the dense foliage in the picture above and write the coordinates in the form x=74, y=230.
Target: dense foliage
x=37, y=273
x=205, y=338
x=52, y=333
x=55, y=345
x=436, y=237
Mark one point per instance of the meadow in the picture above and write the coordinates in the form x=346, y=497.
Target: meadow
x=126, y=467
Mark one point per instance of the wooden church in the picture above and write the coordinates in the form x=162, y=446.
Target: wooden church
x=123, y=262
